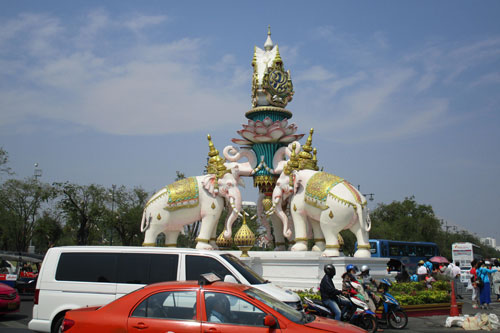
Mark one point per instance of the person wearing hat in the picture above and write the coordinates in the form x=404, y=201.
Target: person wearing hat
x=421, y=270
x=482, y=273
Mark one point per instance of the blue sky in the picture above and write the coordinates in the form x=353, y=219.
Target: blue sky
x=403, y=96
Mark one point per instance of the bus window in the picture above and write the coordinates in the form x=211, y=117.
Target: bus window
x=420, y=251
x=383, y=249
x=428, y=251
x=402, y=250
x=412, y=251
x=393, y=250
x=373, y=248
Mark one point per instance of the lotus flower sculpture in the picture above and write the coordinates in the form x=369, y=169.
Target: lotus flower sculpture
x=267, y=131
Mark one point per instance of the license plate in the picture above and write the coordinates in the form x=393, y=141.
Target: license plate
x=12, y=306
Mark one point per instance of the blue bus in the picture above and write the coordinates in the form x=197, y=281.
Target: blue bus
x=408, y=253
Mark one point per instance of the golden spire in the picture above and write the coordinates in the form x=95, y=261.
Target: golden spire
x=278, y=62
x=244, y=238
x=215, y=163
x=254, y=60
x=293, y=163
x=306, y=160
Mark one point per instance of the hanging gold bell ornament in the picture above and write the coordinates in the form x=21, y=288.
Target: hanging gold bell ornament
x=244, y=238
x=224, y=243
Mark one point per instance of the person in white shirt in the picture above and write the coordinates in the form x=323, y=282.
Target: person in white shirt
x=421, y=270
x=455, y=275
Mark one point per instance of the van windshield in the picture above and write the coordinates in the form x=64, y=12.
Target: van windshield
x=247, y=272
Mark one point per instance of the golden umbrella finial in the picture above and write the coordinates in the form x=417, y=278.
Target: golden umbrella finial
x=244, y=238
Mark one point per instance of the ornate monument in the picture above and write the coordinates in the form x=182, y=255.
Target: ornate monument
x=300, y=201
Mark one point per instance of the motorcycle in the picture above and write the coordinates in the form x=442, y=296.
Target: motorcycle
x=393, y=314
x=359, y=315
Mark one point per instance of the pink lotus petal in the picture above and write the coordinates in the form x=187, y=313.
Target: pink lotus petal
x=284, y=123
x=263, y=138
x=276, y=134
x=275, y=125
x=241, y=141
x=291, y=138
x=267, y=121
x=248, y=135
x=246, y=127
x=291, y=129
x=261, y=130
x=251, y=122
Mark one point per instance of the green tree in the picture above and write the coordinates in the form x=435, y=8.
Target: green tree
x=47, y=233
x=4, y=159
x=21, y=201
x=128, y=213
x=84, y=209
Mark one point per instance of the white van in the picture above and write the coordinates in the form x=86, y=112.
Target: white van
x=77, y=276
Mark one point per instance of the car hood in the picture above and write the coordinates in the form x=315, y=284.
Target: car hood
x=5, y=289
x=278, y=292
x=331, y=325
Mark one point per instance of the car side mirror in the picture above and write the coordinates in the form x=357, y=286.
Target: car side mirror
x=269, y=321
x=230, y=278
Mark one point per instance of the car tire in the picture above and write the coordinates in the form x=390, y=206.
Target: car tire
x=57, y=324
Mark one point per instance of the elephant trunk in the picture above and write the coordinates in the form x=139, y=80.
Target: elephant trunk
x=277, y=206
x=144, y=222
x=235, y=204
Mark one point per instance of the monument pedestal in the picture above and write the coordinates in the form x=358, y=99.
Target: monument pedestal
x=304, y=269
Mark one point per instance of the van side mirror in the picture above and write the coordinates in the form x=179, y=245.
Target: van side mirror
x=269, y=321
x=230, y=278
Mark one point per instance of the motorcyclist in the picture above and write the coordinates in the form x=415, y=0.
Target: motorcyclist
x=329, y=294
x=369, y=284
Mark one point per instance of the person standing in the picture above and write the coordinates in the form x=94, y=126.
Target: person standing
x=496, y=279
x=421, y=270
x=475, y=288
x=482, y=273
x=455, y=275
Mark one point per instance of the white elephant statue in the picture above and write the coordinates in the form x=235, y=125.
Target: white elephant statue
x=326, y=201
x=192, y=199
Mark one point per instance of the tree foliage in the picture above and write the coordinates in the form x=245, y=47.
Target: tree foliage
x=21, y=201
x=4, y=159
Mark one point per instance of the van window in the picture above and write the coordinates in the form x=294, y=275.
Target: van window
x=146, y=268
x=88, y=267
x=197, y=265
x=247, y=272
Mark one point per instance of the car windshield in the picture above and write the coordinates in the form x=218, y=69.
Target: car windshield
x=247, y=272
x=282, y=308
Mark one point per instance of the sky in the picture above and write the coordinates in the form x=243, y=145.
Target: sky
x=403, y=95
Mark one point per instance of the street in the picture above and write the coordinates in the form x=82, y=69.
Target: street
x=18, y=322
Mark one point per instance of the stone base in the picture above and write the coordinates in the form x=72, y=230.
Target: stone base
x=304, y=269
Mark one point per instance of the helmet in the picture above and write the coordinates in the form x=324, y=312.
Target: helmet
x=365, y=268
x=387, y=282
x=330, y=270
x=351, y=266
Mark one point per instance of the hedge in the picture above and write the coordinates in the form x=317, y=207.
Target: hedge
x=407, y=293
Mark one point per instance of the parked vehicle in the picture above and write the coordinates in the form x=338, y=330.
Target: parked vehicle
x=77, y=276
x=9, y=299
x=393, y=314
x=360, y=314
x=198, y=307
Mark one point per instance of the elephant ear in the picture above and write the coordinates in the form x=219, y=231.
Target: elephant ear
x=208, y=183
x=296, y=180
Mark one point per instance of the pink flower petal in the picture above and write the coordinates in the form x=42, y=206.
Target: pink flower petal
x=248, y=135
x=276, y=134
x=263, y=138
x=267, y=121
x=291, y=129
x=251, y=122
x=261, y=130
x=284, y=123
x=291, y=138
x=275, y=125
x=241, y=141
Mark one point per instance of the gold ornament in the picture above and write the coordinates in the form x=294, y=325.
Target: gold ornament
x=215, y=163
x=213, y=205
x=244, y=238
x=182, y=194
x=340, y=239
x=267, y=203
x=159, y=216
x=294, y=208
x=224, y=243
x=331, y=215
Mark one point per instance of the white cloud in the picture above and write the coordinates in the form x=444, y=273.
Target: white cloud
x=314, y=73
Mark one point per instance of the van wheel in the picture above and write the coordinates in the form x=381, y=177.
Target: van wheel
x=57, y=324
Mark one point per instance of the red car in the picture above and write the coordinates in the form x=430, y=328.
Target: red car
x=188, y=306
x=9, y=299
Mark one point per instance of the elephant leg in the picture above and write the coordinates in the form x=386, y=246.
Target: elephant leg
x=363, y=250
x=207, y=227
x=213, y=239
x=331, y=226
x=279, y=239
x=171, y=238
x=299, y=218
x=319, y=238
x=152, y=233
